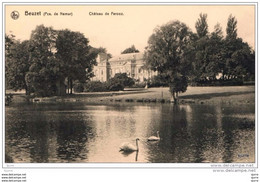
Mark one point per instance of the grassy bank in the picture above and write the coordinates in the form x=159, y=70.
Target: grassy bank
x=233, y=94
x=211, y=95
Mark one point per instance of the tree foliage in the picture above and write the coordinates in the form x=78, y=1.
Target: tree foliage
x=202, y=26
x=158, y=81
x=114, y=85
x=95, y=86
x=178, y=54
x=54, y=58
x=103, y=50
x=201, y=49
x=167, y=52
x=215, y=55
x=42, y=64
x=231, y=29
x=124, y=79
x=237, y=55
x=74, y=55
x=17, y=63
x=44, y=69
x=131, y=49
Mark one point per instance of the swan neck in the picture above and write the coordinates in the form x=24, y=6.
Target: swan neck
x=137, y=148
x=158, y=135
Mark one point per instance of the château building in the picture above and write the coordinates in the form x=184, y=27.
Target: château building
x=102, y=69
x=132, y=64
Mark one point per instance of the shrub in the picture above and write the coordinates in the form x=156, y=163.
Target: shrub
x=220, y=82
x=114, y=85
x=78, y=87
x=158, y=81
x=123, y=79
x=139, y=85
x=95, y=86
x=117, y=83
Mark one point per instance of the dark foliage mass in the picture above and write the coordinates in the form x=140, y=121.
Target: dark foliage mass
x=55, y=62
x=95, y=86
x=167, y=53
x=158, y=81
x=131, y=49
x=49, y=62
x=117, y=83
x=123, y=79
x=202, y=58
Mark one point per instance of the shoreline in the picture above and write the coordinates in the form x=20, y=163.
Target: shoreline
x=193, y=95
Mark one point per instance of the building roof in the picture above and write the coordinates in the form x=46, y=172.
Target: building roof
x=126, y=57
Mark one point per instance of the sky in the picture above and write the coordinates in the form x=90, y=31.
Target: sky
x=133, y=25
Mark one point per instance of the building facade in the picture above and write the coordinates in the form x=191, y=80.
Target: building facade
x=132, y=64
x=102, y=69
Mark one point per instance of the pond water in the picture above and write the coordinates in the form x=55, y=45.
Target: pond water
x=81, y=133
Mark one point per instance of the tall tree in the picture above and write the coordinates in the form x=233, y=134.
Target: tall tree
x=9, y=42
x=166, y=53
x=215, y=47
x=17, y=64
x=201, y=48
x=75, y=56
x=231, y=29
x=44, y=69
x=131, y=49
x=202, y=26
x=239, y=57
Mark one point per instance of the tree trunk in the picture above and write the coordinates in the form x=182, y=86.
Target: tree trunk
x=27, y=91
x=174, y=97
x=68, y=85
x=71, y=86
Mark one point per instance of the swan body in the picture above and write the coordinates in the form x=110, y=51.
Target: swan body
x=154, y=138
x=128, y=147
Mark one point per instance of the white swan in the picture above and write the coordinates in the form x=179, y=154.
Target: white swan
x=128, y=147
x=154, y=138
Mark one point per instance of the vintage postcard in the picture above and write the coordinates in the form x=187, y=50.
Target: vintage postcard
x=129, y=84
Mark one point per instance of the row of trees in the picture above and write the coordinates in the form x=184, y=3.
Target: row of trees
x=180, y=56
x=51, y=58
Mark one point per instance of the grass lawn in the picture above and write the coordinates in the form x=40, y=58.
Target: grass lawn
x=228, y=94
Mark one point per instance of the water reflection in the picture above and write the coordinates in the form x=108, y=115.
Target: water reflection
x=93, y=133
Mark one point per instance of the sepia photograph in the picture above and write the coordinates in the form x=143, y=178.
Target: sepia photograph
x=130, y=84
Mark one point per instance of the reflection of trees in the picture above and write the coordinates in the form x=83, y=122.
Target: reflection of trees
x=228, y=128
x=27, y=136
x=237, y=133
x=72, y=135
x=123, y=120
x=203, y=131
x=35, y=134
x=174, y=137
x=38, y=130
x=14, y=137
x=188, y=132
